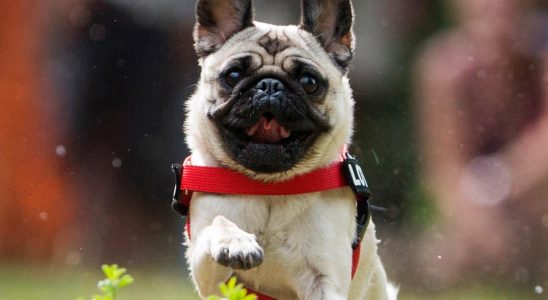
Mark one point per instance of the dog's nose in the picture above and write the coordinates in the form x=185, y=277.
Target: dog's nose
x=270, y=85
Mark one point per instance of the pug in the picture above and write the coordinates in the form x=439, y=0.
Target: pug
x=273, y=103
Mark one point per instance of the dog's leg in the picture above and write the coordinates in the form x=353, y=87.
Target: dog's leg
x=326, y=277
x=316, y=286
x=370, y=281
x=217, y=250
x=328, y=292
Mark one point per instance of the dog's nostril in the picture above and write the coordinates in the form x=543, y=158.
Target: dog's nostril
x=270, y=85
x=262, y=85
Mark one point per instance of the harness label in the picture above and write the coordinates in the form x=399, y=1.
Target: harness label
x=355, y=176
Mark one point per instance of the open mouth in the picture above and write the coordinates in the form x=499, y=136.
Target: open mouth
x=268, y=131
x=270, y=144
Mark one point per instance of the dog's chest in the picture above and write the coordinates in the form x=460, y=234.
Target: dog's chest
x=294, y=231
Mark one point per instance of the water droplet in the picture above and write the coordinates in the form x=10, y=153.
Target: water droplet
x=377, y=160
x=538, y=289
x=487, y=181
x=43, y=216
x=97, y=32
x=439, y=256
x=60, y=150
x=116, y=162
x=73, y=258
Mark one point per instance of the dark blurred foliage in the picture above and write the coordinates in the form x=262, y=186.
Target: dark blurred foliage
x=127, y=88
x=385, y=135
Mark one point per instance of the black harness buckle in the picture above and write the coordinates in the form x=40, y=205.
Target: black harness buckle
x=356, y=179
x=176, y=200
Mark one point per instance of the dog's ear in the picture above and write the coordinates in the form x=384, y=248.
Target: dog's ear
x=330, y=21
x=217, y=21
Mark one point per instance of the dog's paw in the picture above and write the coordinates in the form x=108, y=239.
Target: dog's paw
x=237, y=249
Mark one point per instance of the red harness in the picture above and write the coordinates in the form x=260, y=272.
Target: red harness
x=224, y=181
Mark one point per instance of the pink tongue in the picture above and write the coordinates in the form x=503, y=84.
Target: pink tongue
x=267, y=131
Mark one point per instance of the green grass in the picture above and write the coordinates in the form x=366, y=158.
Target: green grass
x=56, y=283
x=39, y=283
x=476, y=292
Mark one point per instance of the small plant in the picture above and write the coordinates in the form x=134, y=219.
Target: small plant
x=232, y=291
x=116, y=278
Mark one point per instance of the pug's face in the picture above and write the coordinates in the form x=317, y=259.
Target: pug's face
x=272, y=101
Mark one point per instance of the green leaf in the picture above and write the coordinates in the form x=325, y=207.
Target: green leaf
x=115, y=280
x=125, y=280
x=232, y=291
x=118, y=272
x=224, y=289
x=231, y=283
x=106, y=286
x=239, y=292
x=108, y=270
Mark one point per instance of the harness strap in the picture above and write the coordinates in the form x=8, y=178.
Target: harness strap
x=226, y=181
x=190, y=178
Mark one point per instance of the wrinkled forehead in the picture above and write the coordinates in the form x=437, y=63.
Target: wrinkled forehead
x=270, y=45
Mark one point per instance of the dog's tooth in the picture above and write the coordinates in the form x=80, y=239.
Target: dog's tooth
x=252, y=130
x=284, y=132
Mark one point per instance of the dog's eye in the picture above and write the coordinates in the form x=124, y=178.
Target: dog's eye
x=233, y=77
x=309, y=83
